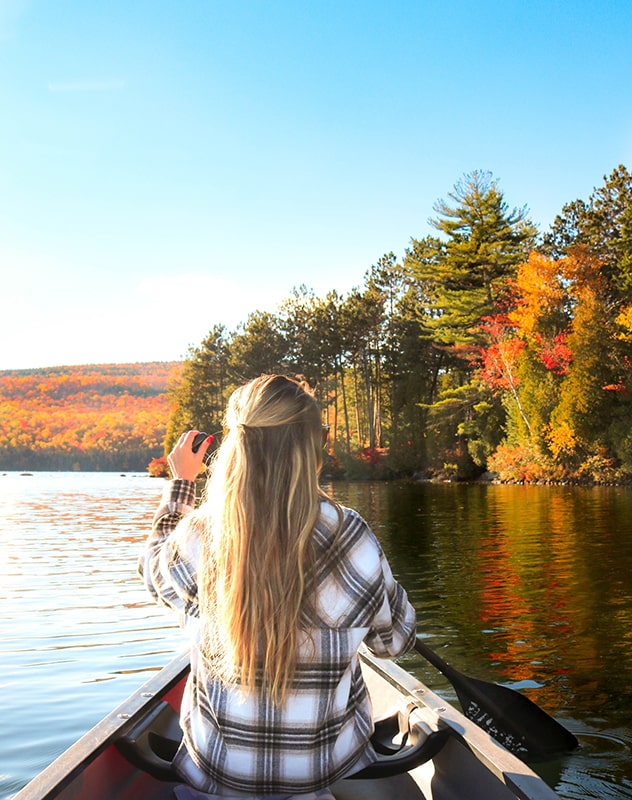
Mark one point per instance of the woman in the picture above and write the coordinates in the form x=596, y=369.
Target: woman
x=277, y=587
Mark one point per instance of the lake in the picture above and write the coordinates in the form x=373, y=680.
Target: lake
x=528, y=586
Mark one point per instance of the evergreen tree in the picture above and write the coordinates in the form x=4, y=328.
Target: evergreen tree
x=465, y=270
x=603, y=226
x=463, y=275
x=258, y=348
x=309, y=329
x=200, y=396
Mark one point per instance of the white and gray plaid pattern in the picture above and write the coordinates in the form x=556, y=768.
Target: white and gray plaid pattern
x=241, y=740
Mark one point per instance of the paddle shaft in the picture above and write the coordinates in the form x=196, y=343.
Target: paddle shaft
x=436, y=661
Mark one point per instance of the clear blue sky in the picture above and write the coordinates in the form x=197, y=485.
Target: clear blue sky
x=166, y=165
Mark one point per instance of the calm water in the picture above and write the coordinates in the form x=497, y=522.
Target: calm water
x=527, y=586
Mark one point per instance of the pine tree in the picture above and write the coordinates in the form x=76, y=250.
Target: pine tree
x=463, y=275
x=199, y=397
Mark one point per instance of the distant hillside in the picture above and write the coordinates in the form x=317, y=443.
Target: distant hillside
x=93, y=417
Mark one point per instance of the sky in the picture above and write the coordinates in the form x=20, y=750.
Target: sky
x=169, y=166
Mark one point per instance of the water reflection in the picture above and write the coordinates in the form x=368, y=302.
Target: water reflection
x=526, y=586
x=530, y=587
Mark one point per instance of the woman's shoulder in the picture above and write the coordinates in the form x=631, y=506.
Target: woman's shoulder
x=344, y=526
x=338, y=516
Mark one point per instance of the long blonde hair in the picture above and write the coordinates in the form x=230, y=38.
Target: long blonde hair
x=261, y=506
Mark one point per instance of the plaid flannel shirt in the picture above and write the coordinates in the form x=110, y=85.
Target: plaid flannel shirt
x=241, y=740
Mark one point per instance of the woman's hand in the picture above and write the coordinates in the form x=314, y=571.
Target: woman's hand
x=183, y=462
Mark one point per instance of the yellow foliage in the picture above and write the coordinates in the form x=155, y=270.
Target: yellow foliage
x=561, y=439
x=624, y=321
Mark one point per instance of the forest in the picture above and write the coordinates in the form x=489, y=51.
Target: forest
x=489, y=348
x=99, y=417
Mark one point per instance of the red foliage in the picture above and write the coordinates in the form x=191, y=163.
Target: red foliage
x=372, y=455
x=498, y=359
x=555, y=355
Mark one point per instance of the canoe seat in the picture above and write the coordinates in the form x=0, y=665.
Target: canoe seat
x=153, y=741
x=400, y=742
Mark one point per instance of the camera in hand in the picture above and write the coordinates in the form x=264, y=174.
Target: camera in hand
x=197, y=442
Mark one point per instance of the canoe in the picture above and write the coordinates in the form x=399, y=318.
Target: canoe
x=428, y=749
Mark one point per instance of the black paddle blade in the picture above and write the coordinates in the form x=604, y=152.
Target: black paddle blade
x=510, y=717
x=514, y=721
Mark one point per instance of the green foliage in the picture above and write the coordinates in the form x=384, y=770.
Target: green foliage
x=199, y=397
x=620, y=439
x=462, y=278
x=258, y=348
x=603, y=225
x=484, y=429
x=474, y=352
x=465, y=271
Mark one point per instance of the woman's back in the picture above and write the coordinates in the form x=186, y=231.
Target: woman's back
x=283, y=587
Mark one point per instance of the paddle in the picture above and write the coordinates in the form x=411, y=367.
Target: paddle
x=510, y=717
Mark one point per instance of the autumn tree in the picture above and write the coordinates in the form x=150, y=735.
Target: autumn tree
x=580, y=426
x=540, y=317
x=91, y=417
x=596, y=236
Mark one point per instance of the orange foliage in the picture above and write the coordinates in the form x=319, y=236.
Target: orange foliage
x=88, y=417
x=158, y=467
x=539, y=315
x=540, y=292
